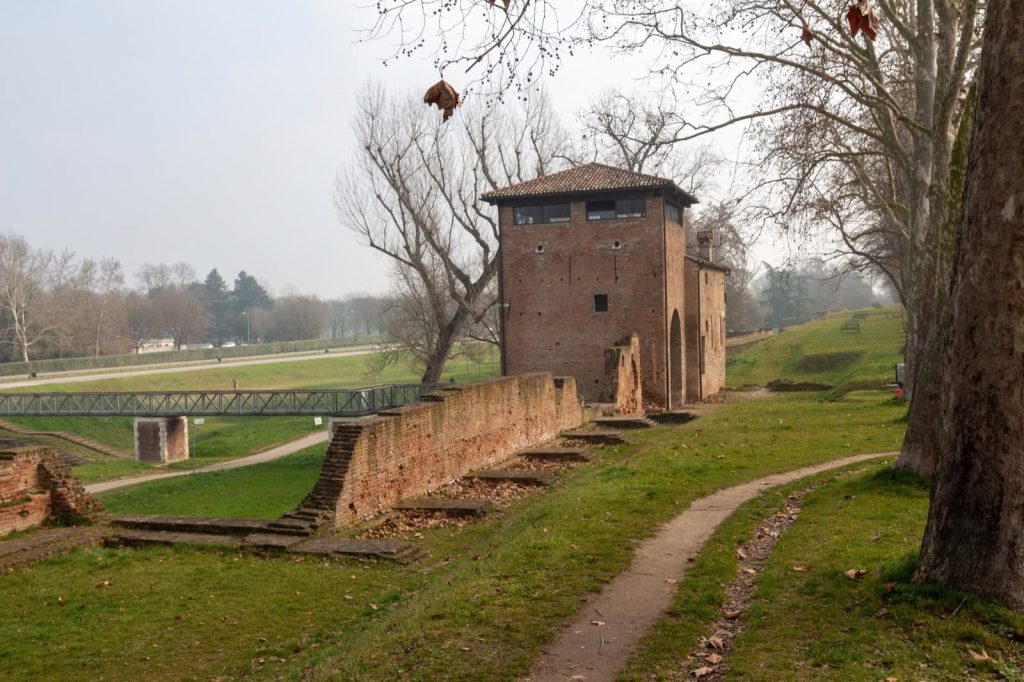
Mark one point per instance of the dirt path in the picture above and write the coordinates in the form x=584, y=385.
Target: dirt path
x=607, y=628
x=288, y=448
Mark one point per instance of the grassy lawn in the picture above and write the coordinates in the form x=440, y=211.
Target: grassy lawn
x=268, y=490
x=478, y=608
x=821, y=625
x=819, y=352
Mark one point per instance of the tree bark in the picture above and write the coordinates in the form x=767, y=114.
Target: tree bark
x=974, y=539
x=919, y=448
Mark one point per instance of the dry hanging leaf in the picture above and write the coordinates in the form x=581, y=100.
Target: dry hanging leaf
x=862, y=17
x=505, y=4
x=856, y=573
x=444, y=96
x=806, y=35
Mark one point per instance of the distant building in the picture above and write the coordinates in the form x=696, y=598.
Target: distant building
x=155, y=345
x=594, y=253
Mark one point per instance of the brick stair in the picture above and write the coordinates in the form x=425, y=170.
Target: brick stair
x=318, y=508
x=46, y=543
x=557, y=454
x=624, y=422
x=521, y=477
x=390, y=550
x=69, y=437
x=190, y=524
x=70, y=458
x=595, y=436
x=130, y=537
x=672, y=417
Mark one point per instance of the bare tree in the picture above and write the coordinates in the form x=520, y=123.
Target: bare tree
x=103, y=281
x=852, y=132
x=296, y=317
x=974, y=538
x=183, y=275
x=153, y=277
x=182, y=313
x=29, y=280
x=142, y=319
x=413, y=193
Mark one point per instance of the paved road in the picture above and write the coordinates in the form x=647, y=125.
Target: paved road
x=260, y=457
x=158, y=369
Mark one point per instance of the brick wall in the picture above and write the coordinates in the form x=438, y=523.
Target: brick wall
x=705, y=331
x=35, y=486
x=373, y=463
x=622, y=367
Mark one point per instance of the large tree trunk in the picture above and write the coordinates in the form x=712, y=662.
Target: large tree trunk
x=974, y=539
x=919, y=448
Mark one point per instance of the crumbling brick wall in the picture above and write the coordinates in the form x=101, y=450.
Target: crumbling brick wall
x=375, y=462
x=622, y=370
x=36, y=486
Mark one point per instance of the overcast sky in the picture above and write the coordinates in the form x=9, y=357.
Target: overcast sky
x=209, y=132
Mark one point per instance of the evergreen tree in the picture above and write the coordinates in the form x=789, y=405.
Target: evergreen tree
x=247, y=296
x=217, y=300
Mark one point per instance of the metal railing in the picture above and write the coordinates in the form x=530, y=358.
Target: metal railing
x=343, y=402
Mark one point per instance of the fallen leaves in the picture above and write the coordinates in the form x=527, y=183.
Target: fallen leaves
x=741, y=553
x=801, y=568
x=862, y=17
x=444, y=96
x=703, y=671
x=855, y=573
x=732, y=615
x=716, y=642
x=982, y=657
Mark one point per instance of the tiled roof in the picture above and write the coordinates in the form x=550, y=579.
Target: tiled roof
x=591, y=177
x=704, y=262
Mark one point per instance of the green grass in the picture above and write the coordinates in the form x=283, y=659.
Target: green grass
x=819, y=352
x=478, y=608
x=261, y=491
x=821, y=625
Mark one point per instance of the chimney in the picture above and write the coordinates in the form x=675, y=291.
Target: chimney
x=705, y=244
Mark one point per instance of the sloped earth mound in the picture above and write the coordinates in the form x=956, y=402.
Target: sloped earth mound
x=787, y=386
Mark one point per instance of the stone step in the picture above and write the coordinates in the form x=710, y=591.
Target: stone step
x=453, y=507
x=271, y=541
x=390, y=550
x=70, y=458
x=131, y=537
x=295, y=527
x=191, y=524
x=45, y=543
x=673, y=417
x=557, y=454
x=624, y=422
x=521, y=477
x=596, y=436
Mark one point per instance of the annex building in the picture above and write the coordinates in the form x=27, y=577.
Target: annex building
x=593, y=254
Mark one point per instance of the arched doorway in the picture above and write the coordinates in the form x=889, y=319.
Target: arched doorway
x=675, y=361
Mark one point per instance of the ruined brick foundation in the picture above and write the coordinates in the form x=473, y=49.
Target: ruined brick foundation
x=36, y=486
x=373, y=463
x=622, y=373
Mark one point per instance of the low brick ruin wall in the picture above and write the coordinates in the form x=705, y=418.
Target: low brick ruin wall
x=36, y=486
x=622, y=371
x=375, y=462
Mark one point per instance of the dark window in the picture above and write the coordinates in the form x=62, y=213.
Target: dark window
x=673, y=214
x=623, y=208
x=600, y=303
x=538, y=215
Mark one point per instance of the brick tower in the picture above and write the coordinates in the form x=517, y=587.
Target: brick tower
x=592, y=254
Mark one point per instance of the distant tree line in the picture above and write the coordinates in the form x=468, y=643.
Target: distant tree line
x=53, y=304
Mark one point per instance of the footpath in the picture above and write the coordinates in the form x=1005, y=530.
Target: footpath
x=629, y=606
x=283, y=450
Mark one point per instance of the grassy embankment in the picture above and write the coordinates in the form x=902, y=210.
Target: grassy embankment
x=479, y=607
x=222, y=438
